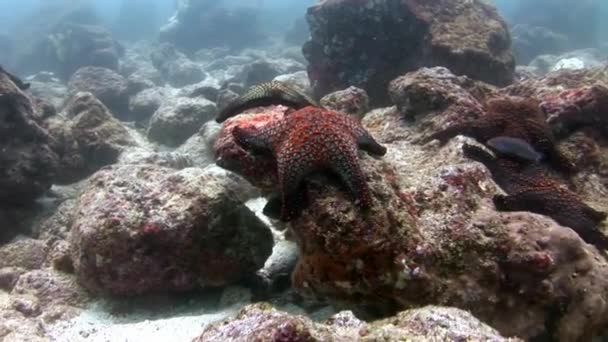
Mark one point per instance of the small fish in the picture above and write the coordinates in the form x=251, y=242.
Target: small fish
x=266, y=94
x=515, y=147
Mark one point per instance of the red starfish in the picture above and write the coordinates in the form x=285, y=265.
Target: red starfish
x=308, y=140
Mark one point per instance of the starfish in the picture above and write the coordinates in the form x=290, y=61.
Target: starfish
x=309, y=140
x=530, y=187
x=511, y=117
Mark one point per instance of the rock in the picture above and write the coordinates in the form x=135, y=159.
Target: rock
x=265, y=70
x=175, y=67
x=261, y=322
x=143, y=105
x=434, y=237
x=68, y=42
x=573, y=60
x=177, y=120
x=209, y=89
x=88, y=137
x=57, y=226
x=423, y=93
x=52, y=91
x=106, y=85
x=297, y=79
x=234, y=27
x=15, y=327
x=352, y=100
x=138, y=156
x=235, y=295
x=27, y=254
x=60, y=258
x=225, y=96
x=56, y=295
x=9, y=277
x=468, y=37
x=29, y=165
x=199, y=147
x=532, y=41
x=194, y=231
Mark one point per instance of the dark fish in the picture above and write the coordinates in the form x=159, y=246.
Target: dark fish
x=515, y=147
x=266, y=94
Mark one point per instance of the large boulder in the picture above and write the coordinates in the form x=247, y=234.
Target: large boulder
x=143, y=228
x=178, y=119
x=468, y=37
x=87, y=137
x=106, y=85
x=28, y=165
x=261, y=322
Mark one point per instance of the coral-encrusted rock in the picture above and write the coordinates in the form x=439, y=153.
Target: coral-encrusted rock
x=28, y=165
x=468, y=37
x=261, y=322
x=143, y=228
x=425, y=93
x=352, y=100
x=177, y=120
x=28, y=254
x=88, y=137
x=56, y=295
x=107, y=85
x=432, y=236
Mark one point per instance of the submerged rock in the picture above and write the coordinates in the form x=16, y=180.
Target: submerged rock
x=177, y=120
x=87, y=137
x=468, y=37
x=175, y=67
x=28, y=165
x=143, y=105
x=261, y=322
x=106, y=85
x=143, y=228
x=352, y=100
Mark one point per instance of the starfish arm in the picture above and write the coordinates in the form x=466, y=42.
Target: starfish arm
x=346, y=166
x=293, y=165
x=251, y=139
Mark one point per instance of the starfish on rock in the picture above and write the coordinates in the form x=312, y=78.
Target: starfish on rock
x=308, y=140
